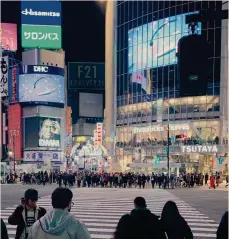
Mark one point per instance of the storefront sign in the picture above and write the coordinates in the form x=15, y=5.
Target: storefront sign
x=81, y=139
x=199, y=149
x=41, y=156
x=160, y=128
x=41, y=69
x=4, y=76
x=99, y=131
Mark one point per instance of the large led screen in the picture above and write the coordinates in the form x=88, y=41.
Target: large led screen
x=41, y=88
x=91, y=105
x=42, y=132
x=155, y=44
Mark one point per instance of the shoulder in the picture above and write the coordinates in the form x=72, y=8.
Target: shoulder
x=41, y=210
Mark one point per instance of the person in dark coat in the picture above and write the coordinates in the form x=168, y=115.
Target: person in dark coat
x=4, y=234
x=26, y=214
x=222, y=232
x=173, y=223
x=139, y=224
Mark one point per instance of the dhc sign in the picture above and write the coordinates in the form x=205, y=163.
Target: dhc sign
x=199, y=149
x=41, y=69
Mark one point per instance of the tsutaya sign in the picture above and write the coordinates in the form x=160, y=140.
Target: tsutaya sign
x=159, y=128
x=199, y=149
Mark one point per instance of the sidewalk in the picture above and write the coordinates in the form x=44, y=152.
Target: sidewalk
x=221, y=187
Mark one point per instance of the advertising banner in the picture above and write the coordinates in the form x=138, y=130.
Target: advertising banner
x=8, y=36
x=41, y=13
x=41, y=88
x=86, y=75
x=13, y=84
x=38, y=156
x=91, y=105
x=42, y=132
x=15, y=130
x=4, y=76
x=99, y=133
x=69, y=130
x=47, y=37
x=41, y=69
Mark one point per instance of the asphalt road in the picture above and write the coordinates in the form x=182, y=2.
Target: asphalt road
x=212, y=203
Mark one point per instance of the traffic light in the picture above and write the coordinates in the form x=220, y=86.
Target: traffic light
x=220, y=160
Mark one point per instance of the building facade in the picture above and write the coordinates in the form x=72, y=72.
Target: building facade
x=152, y=117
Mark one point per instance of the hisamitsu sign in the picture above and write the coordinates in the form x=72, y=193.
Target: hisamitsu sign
x=83, y=75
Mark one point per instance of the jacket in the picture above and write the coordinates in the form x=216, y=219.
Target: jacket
x=147, y=224
x=59, y=224
x=18, y=218
x=222, y=232
x=4, y=234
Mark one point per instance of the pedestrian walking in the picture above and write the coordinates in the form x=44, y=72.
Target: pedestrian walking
x=59, y=223
x=4, y=233
x=173, y=223
x=26, y=214
x=212, y=182
x=222, y=232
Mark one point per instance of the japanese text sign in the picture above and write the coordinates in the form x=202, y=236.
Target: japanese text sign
x=13, y=85
x=8, y=36
x=4, y=76
x=41, y=13
x=47, y=37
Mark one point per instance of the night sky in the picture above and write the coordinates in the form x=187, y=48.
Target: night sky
x=83, y=29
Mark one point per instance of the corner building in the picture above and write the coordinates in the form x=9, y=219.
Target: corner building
x=149, y=106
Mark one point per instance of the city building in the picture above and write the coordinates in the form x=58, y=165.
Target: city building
x=153, y=120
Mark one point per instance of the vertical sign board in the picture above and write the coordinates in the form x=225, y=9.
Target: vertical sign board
x=4, y=76
x=15, y=130
x=8, y=36
x=69, y=130
x=86, y=75
x=95, y=139
x=99, y=129
x=13, y=84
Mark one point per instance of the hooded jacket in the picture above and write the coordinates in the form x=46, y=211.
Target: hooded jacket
x=59, y=224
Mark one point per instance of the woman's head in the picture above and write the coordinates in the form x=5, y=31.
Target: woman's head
x=170, y=210
x=124, y=229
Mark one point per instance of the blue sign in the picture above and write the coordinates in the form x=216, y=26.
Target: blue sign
x=83, y=75
x=42, y=69
x=41, y=88
x=41, y=13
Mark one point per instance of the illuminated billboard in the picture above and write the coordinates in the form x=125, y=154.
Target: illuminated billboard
x=42, y=132
x=8, y=36
x=41, y=88
x=40, y=13
x=46, y=37
x=155, y=44
x=15, y=130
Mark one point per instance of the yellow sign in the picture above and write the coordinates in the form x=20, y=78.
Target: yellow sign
x=81, y=139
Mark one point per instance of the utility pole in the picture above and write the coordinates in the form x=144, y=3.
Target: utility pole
x=168, y=151
x=14, y=155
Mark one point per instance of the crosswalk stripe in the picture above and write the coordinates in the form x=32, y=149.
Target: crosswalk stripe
x=101, y=210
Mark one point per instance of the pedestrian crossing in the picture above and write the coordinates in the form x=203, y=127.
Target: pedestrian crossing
x=100, y=209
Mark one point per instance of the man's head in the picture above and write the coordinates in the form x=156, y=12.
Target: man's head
x=139, y=202
x=31, y=197
x=47, y=129
x=62, y=198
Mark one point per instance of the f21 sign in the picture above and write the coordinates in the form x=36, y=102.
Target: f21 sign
x=4, y=76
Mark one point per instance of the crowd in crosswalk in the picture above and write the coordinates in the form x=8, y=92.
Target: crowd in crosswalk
x=98, y=214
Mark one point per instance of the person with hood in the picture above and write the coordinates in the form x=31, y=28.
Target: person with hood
x=26, y=214
x=59, y=223
x=173, y=223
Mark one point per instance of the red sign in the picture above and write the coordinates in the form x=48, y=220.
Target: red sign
x=15, y=130
x=14, y=98
x=99, y=129
x=95, y=138
x=8, y=36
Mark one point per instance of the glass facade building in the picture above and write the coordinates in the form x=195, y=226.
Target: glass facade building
x=151, y=114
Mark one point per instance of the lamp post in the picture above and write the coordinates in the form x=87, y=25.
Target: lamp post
x=168, y=166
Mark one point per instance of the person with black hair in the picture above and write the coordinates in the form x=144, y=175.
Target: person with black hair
x=4, y=234
x=26, y=214
x=59, y=223
x=173, y=223
x=222, y=231
x=139, y=224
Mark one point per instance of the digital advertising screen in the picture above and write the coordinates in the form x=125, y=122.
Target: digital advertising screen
x=42, y=132
x=155, y=44
x=90, y=105
x=41, y=88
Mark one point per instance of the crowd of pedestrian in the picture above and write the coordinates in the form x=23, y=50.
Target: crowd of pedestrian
x=121, y=180
x=34, y=222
